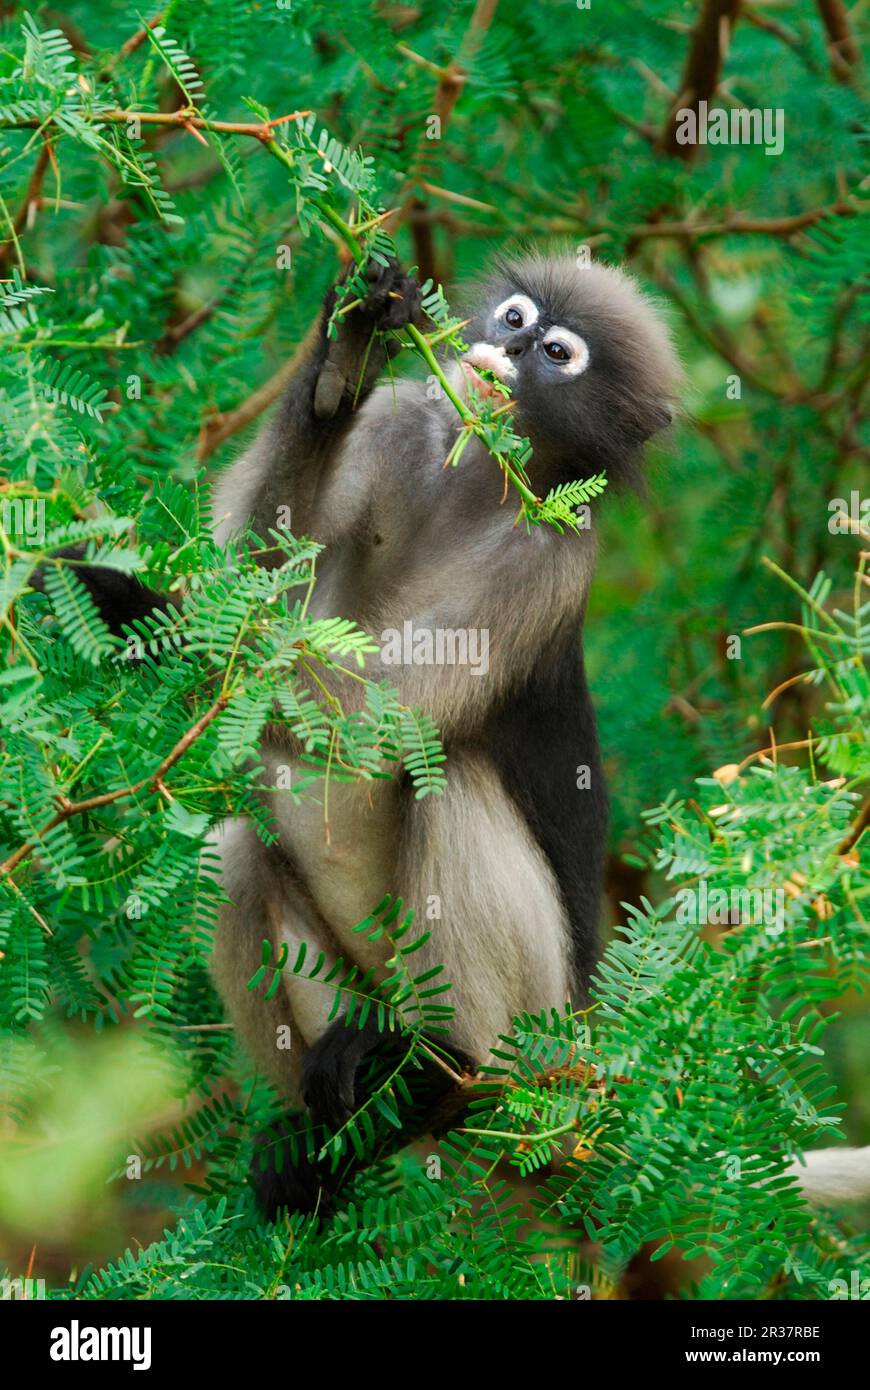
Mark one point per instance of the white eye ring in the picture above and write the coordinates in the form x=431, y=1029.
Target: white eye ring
x=524, y=304
x=579, y=359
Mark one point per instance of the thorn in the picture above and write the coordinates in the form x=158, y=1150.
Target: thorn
x=192, y=130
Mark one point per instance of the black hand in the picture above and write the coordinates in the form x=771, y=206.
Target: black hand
x=393, y=299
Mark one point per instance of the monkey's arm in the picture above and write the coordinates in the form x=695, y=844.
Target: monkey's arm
x=347, y=367
x=284, y=467
x=315, y=413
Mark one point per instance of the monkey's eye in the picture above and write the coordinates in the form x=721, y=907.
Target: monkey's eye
x=566, y=350
x=517, y=312
x=557, y=352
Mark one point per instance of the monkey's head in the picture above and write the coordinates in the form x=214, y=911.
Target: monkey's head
x=588, y=361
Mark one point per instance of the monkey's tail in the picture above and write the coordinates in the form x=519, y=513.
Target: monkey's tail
x=830, y=1176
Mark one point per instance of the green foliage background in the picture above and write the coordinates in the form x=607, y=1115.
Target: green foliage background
x=157, y=284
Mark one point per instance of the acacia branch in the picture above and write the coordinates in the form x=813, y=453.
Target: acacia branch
x=451, y=79
x=843, y=51
x=856, y=829
x=68, y=809
x=743, y=226
x=32, y=199
x=709, y=45
x=185, y=118
x=136, y=40
x=469, y=1088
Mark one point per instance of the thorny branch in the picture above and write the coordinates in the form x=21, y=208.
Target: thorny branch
x=451, y=80
x=68, y=809
x=707, y=49
x=185, y=118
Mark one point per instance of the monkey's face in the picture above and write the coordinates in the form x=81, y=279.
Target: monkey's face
x=585, y=356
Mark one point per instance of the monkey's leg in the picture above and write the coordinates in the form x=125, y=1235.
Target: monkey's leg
x=250, y=876
x=336, y=1081
x=284, y=1172
x=329, y=1070
x=334, y=1087
x=472, y=869
x=267, y=903
x=289, y=1036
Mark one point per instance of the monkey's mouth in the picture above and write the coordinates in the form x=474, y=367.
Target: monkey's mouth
x=481, y=385
x=491, y=359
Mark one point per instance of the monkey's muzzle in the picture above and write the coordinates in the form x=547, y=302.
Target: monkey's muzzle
x=485, y=357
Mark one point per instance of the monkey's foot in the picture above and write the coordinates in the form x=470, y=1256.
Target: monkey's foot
x=329, y=1070
x=282, y=1174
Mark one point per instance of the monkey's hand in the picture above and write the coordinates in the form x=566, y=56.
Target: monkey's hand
x=394, y=298
x=329, y=1070
x=353, y=360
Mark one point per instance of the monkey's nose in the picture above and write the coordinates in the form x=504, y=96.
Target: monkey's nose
x=517, y=344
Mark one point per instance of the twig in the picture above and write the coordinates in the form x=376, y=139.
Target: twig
x=775, y=749
x=68, y=809
x=710, y=39
x=856, y=829
x=770, y=26
x=732, y=354
x=218, y=428
x=31, y=198
x=183, y=118
x=743, y=226
x=470, y=1088
x=136, y=40
x=205, y=1027
x=843, y=51
x=177, y=332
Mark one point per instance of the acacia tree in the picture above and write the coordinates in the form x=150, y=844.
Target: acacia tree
x=167, y=244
